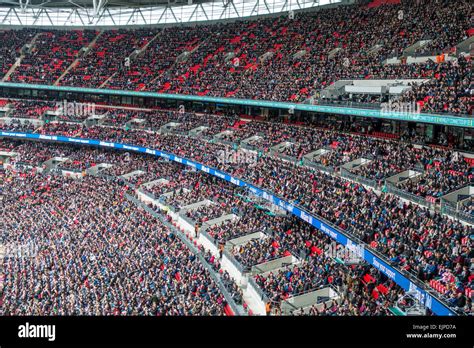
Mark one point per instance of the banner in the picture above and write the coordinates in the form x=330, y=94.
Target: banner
x=446, y=120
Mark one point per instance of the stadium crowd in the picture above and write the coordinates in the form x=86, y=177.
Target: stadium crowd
x=81, y=247
x=411, y=236
x=50, y=55
x=282, y=59
x=113, y=259
x=441, y=249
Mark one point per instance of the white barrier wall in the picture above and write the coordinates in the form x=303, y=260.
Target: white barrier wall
x=174, y=215
x=6, y=157
x=356, y=163
x=220, y=220
x=208, y=244
x=252, y=138
x=421, y=59
x=364, y=89
x=206, y=240
x=97, y=168
x=155, y=182
x=185, y=224
x=132, y=174
x=307, y=300
x=279, y=147
x=147, y=199
x=198, y=130
x=258, y=305
x=412, y=60
x=403, y=176
x=274, y=264
x=70, y=174
x=221, y=134
x=233, y=271
x=244, y=239
x=316, y=154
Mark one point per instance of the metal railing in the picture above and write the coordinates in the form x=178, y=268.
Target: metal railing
x=456, y=213
x=148, y=194
x=373, y=106
x=226, y=142
x=242, y=269
x=283, y=156
x=359, y=179
x=206, y=235
x=260, y=292
x=187, y=219
x=347, y=103
x=255, y=269
x=408, y=196
x=249, y=147
x=318, y=166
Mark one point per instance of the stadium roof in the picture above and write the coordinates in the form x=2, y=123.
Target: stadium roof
x=90, y=3
x=113, y=13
